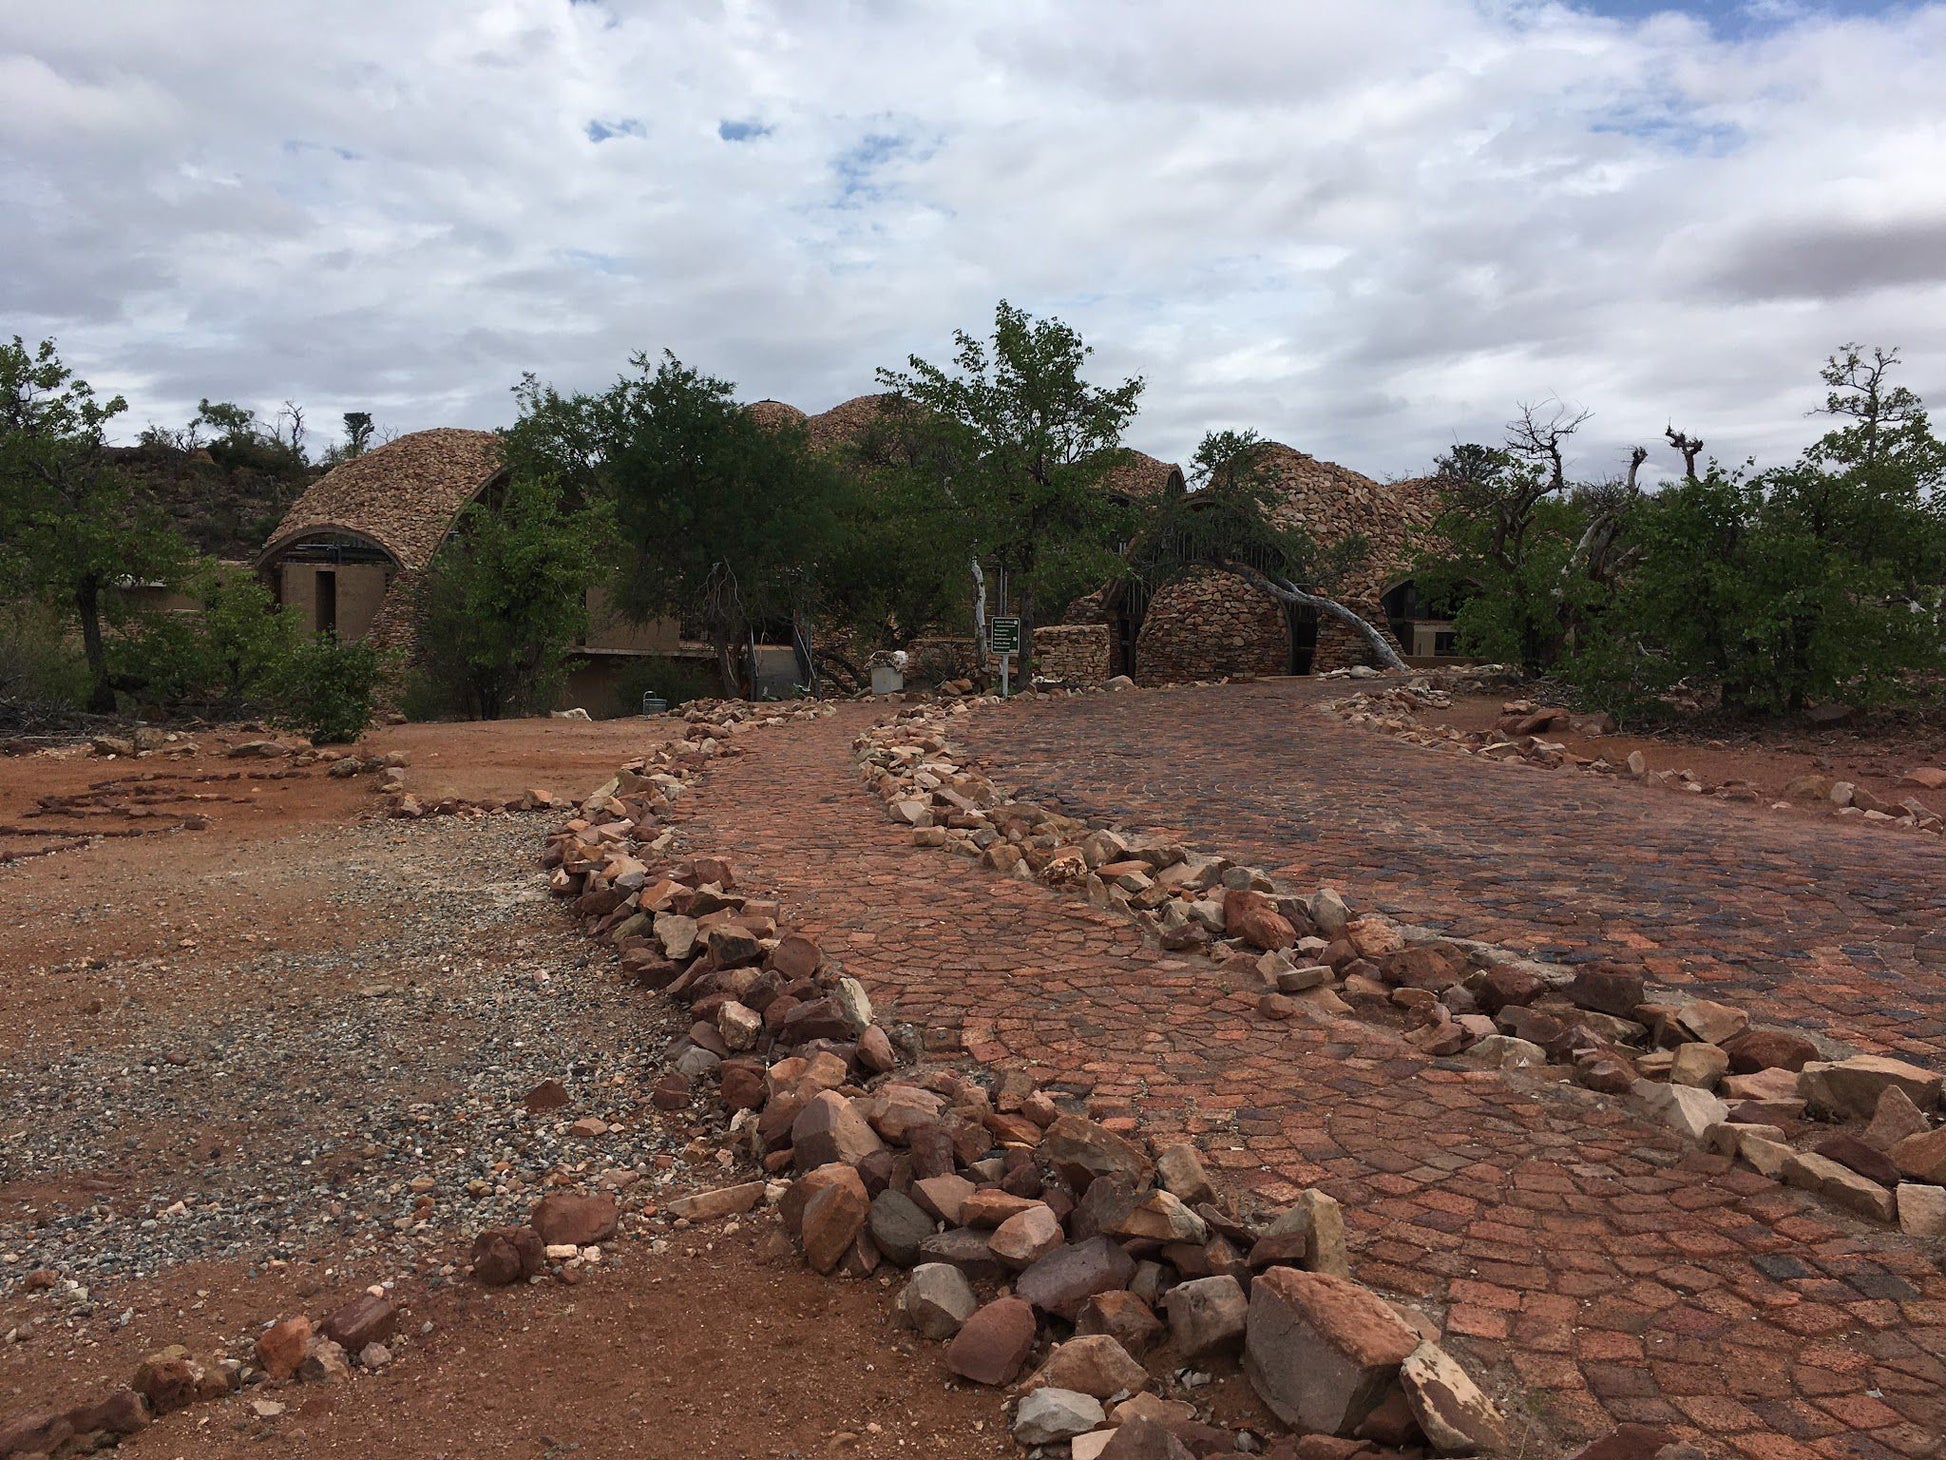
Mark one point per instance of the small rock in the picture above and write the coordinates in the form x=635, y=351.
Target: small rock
x=1895, y=1119
x=1455, y=1416
x=1046, y=1415
x=281, y=1348
x=938, y=1300
x=1922, y=1210
x=1206, y=1316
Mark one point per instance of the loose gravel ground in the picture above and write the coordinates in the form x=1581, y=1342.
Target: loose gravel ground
x=385, y=1117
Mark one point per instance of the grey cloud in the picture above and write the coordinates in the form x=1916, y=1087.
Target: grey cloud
x=1831, y=259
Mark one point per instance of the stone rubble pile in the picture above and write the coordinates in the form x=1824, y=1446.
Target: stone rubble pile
x=1762, y=1095
x=291, y=1350
x=1520, y=734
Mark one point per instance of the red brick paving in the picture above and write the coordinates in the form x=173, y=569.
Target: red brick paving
x=1601, y=1268
x=1839, y=928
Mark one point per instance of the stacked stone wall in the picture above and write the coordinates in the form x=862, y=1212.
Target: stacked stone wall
x=1207, y=624
x=1077, y=653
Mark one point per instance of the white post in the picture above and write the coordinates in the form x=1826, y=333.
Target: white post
x=1006, y=660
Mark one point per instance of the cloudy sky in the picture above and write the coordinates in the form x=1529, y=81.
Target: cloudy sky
x=1365, y=229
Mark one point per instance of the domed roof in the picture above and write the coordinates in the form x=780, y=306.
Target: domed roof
x=402, y=496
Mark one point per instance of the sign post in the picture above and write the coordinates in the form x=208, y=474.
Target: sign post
x=1003, y=638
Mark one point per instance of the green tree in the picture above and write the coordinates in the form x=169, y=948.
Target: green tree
x=224, y=659
x=1019, y=448
x=721, y=520
x=1817, y=580
x=358, y=434
x=506, y=597
x=72, y=526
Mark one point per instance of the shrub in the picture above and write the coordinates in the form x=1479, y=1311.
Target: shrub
x=325, y=688
x=675, y=680
x=38, y=662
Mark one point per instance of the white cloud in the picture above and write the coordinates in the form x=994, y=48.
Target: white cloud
x=1366, y=230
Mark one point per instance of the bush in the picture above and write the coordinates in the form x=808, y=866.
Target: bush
x=38, y=663
x=325, y=688
x=676, y=680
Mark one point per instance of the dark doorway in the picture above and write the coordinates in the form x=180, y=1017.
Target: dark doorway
x=327, y=599
x=1302, y=620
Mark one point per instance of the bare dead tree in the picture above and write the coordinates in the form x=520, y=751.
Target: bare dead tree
x=1691, y=447
x=1287, y=592
x=1607, y=505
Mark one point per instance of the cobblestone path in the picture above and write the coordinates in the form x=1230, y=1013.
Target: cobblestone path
x=1595, y=1265
x=1836, y=927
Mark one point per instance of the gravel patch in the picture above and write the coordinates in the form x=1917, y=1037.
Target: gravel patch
x=371, y=1105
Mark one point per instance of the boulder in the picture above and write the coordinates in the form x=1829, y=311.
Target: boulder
x=830, y=1129
x=937, y=1300
x=503, y=1255
x=1922, y=1209
x=1922, y=1157
x=993, y=1344
x=168, y=1380
x=1452, y=1412
x=1253, y=917
x=1855, y=1155
x=833, y=1215
x=1122, y=1316
x=1092, y=1364
x=1607, y=991
x=280, y=1349
x=1048, y=1414
x=1682, y=1107
x=1320, y=1221
x=1082, y=1150
x=1894, y=1120
x=1699, y=1065
x=1027, y=1236
x=1851, y=1089
x=1144, y=1439
x=1838, y=1184
x=1206, y=1316
x=364, y=1320
x=568, y=1219
x=1769, y=1049
x=1320, y=1350
x=1180, y=1172
x=898, y=1226
x=1067, y=1277
x=1711, y=1022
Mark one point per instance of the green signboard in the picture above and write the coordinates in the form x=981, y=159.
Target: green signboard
x=1003, y=635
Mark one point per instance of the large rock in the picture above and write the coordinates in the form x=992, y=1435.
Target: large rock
x=365, y=1319
x=281, y=1347
x=1711, y=1022
x=1066, y=1278
x=899, y=1226
x=1253, y=917
x=1683, y=1107
x=1206, y=1316
x=834, y=1214
x=1046, y=1415
x=1769, y=1049
x=1320, y=1221
x=1092, y=1364
x=1850, y=1089
x=503, y=1255
x=1122, y=1316
x=1452, y=1412
x=569, y=1219
x=1320, y=1350
x=1850, y=1152
x=1026, y=1237
x=1082, y=1151
x=938, y=1300
x=1922, y=1157
x=168, y=1380
x=1922, y=1209
x=1607, y=991
x=1700, y=1066
x=1894, y=1120
x=1158, y=1216
x=830, y=1128
x=1144, y=1439
x=1838, y=1184
x=1180, y=1171
x=993, y=1344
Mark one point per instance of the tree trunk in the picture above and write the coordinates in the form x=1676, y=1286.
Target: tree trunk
x=1026, y=673
x=979, y=616
x=87, y=607
x=1290, y=593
